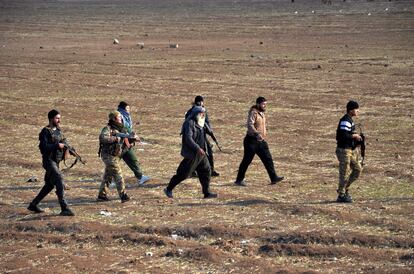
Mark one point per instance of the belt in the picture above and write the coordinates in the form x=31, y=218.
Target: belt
x=351, y=148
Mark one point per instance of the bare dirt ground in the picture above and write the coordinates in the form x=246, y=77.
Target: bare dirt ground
x=59, y=54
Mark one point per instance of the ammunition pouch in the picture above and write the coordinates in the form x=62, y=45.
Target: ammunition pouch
x=115, y=149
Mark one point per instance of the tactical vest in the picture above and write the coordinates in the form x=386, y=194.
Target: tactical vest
x=114, y=148
x=53, y=138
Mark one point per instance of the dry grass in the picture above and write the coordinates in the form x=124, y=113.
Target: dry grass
x=64, y=58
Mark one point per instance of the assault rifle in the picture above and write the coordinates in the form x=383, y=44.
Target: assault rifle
x=128, y=139
x=362, y=143
x=215, y=140
x=71, y=150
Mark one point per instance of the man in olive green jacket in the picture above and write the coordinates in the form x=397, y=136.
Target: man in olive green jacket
x=110, y=150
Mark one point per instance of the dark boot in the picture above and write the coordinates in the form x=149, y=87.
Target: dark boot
x=277, y=180
x=65, y=209
x=102, y=198
x=66, y=212
x=33, y=207
x=349, y=197
x=210, y=195
x=215, y=173
x=343, y=198
x=240, y=183
x=124, y=197
x=168, y=193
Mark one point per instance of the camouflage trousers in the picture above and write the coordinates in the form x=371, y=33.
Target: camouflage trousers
x=112, y=172
x=349, y=168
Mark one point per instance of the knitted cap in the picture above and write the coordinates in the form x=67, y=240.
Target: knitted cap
x=113, y=114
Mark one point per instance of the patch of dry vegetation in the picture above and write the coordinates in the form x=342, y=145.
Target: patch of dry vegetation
x=308, y=65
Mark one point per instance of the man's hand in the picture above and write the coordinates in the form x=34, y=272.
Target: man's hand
x=137, y=139
x=201, y=152
x=356, y=137
x=61, y=146
x=259, y=138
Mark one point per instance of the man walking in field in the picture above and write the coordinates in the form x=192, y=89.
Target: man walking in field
x=129, y=154
x=193, y=150
x=52, y=145
x=255, y=143
x=110, y=150
x=349, y=163
x=199, y=101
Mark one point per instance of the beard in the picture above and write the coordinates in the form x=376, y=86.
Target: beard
x=201, y=120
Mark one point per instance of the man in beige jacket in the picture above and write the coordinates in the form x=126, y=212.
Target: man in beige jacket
x=255, y=143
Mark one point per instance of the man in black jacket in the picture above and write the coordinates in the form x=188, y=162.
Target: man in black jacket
x=349, y=163
x=194, y=152
x=199, y=101
x=51, y=145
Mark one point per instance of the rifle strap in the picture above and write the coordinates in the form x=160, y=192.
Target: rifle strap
x=100, y=149
x=127, y=144
x=72, y=165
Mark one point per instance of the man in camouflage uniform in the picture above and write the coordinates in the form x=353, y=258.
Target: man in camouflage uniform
x=110, y=152
x=51, y=145
x=349, y=163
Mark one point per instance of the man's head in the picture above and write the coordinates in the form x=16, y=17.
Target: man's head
x=124, y=105
x=261, y=103
x=115, y=116
x=199, y=101
x=199, y=115
x=352, y=108
x=54, y=117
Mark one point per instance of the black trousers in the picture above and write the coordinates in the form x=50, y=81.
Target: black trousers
x=53, y=178
x=187, y=167
x=210, y=155
x=251, y=148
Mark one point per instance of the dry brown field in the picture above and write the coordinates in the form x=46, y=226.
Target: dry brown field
x=59, y=54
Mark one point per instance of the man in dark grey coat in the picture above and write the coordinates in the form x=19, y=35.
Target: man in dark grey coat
x=194, y=152
x=199, y=101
